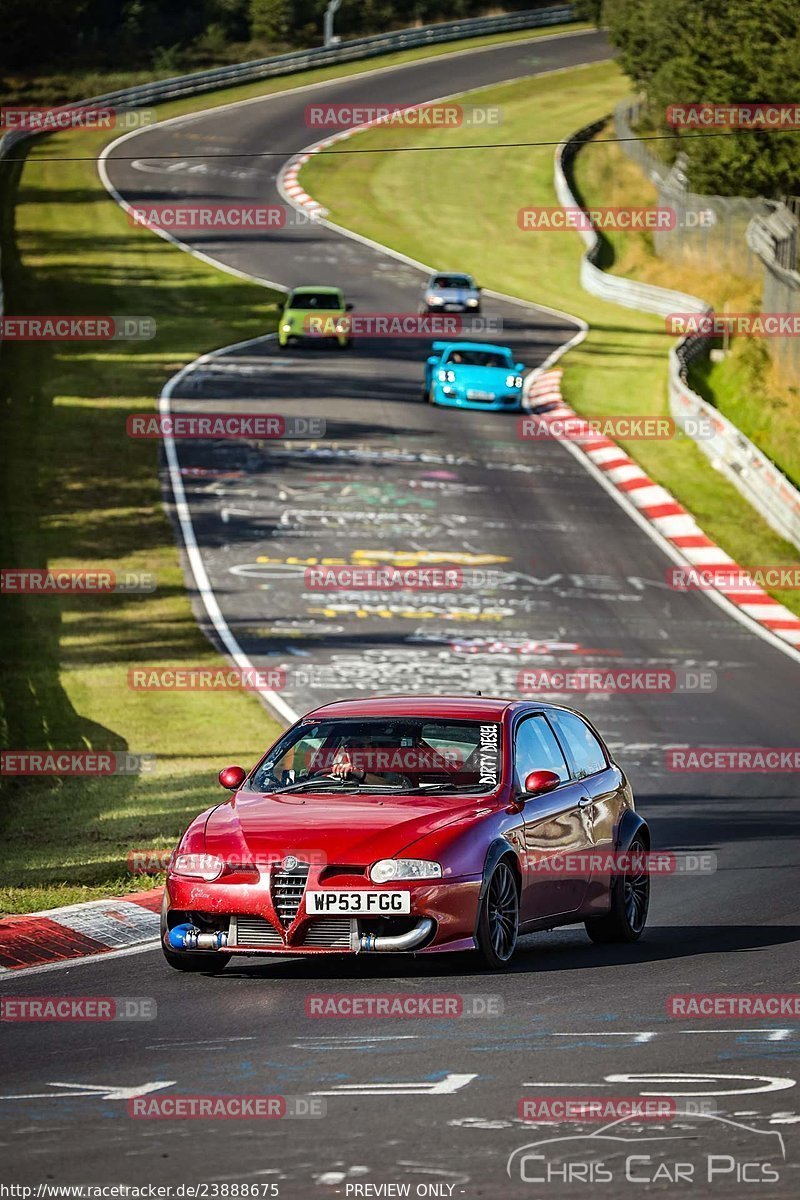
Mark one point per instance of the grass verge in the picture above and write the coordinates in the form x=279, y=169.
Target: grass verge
x=458, y=209
x=78, y=493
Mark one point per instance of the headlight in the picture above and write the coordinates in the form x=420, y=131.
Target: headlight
x=286, y=327
x=447, y=377
x=197, y=866
x=404, y=868
x=472, y=302
x=514, y=381
x=434, y=300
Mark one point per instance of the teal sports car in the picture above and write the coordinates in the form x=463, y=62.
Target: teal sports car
x=473, y=375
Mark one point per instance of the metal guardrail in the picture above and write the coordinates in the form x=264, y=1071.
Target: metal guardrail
x=752, y=473
x=627, y=292
x=348, y=51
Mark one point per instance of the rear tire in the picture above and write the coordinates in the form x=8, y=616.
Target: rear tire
x=630, y=900
x=185, y=960
x=498, y=921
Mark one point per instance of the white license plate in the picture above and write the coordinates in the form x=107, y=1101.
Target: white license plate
x=472, y=394
x=358, y=903
x=453, y=307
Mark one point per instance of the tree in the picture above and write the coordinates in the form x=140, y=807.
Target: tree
x=271, y=19
x=719, y=52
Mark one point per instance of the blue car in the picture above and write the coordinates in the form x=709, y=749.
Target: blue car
x=473, y=375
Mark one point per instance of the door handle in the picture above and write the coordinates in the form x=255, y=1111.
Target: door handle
x=586, y=801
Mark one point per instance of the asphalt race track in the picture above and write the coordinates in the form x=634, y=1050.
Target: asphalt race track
x=434, y=1101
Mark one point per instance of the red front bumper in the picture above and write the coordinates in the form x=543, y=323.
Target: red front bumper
x=248, y=912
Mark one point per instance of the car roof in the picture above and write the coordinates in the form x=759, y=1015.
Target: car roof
x=478, y=346
x=463, y=274
x=472, y=708
x=314, y=287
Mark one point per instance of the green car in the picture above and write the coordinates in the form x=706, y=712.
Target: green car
x=314, y=314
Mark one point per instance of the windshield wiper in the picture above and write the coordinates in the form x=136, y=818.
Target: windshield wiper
x=334, y=785
x=447, y=787
x=301, y=784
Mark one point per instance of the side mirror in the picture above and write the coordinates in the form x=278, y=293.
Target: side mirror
x=433, y=359
x=232, y=778
x=519, y=368
x=539, y=783
x=349, y=307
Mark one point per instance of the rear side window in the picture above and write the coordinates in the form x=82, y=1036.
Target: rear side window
x=536, y=749
x=585, y=749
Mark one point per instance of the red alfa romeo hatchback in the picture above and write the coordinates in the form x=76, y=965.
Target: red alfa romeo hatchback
x=412, y=824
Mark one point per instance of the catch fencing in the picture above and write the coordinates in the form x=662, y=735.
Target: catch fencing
x=752, y=473
x=750, y=237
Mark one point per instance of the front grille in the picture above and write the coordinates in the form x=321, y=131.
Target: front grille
x=253, y=931
x=287, y=887
x=332, y=933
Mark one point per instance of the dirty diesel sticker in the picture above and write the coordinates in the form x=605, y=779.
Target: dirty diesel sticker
x=489, y=755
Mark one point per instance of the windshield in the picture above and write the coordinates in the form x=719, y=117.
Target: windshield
x=479, y=358
x=451, y=281
x=406, y=755
x=315, y=300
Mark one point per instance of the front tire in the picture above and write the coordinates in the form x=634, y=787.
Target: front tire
x=184, y=960
x=498, y=921
x=630, y=900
